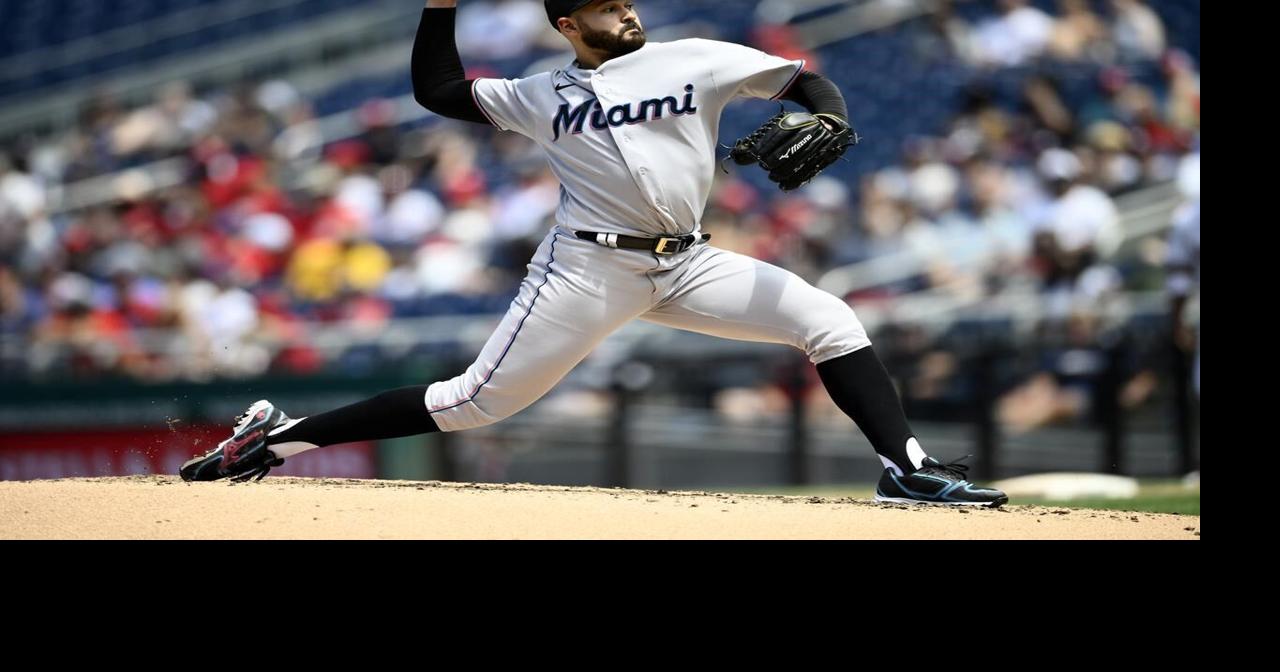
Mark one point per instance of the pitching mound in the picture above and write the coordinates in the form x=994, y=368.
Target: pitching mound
x=163, y=507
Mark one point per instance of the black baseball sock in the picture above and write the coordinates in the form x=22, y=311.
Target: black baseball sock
x=392, y=414
x=860, y=386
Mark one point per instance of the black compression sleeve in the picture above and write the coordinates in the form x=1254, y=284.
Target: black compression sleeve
x=390, y=415
x=861, y=387
x=818, y=95
x=439, y=82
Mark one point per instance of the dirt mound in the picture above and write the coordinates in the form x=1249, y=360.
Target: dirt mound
x=163, y=507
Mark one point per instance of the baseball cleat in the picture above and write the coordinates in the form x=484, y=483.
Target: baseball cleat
x=245, y=454
x=936, y=483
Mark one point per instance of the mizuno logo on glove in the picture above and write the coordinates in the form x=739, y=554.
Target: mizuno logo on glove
x=796, y=146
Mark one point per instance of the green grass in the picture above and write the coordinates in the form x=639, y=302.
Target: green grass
x=1153, y=497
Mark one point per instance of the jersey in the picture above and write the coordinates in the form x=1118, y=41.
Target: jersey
x=633, y=142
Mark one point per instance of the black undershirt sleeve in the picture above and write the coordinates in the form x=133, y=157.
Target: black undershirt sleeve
x=439, y=82
x=817, y=94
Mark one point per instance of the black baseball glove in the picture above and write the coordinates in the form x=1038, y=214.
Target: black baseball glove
x=795, y=146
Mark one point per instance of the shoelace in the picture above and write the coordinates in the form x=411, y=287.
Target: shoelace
x=241, y=420
x=260, y=471
x=953, y=468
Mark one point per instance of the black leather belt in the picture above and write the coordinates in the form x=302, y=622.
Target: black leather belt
x=666, y=245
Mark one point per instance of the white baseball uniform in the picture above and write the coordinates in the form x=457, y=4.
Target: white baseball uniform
x=633, y=144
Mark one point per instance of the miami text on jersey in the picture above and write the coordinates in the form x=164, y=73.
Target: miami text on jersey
x=572, y=120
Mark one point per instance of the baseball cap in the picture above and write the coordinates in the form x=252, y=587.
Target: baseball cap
x=559, y=8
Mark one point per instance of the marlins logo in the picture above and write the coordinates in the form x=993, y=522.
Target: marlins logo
x=571, y=120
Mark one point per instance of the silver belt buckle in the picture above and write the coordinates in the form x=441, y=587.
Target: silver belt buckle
x=661, y=248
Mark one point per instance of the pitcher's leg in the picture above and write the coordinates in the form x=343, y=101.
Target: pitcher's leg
x=735, y=296
x=563, y=311
x=730, y=295
x=569, y=302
